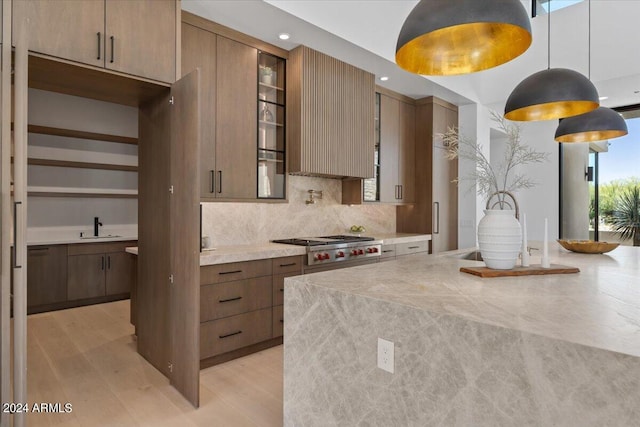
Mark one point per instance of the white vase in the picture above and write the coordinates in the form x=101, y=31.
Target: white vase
x=499, y=238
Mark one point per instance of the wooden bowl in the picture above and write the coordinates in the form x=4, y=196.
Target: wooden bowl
x=588, y=246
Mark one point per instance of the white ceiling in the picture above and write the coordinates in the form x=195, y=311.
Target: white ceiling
x=364, y=33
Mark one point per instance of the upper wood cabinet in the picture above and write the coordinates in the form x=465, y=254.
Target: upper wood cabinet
x=230, y=112
x=435, y=210
x=136, y=37
x=330, y=116
x=396, y=154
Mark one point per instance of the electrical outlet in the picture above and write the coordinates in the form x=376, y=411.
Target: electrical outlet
x=385, y=355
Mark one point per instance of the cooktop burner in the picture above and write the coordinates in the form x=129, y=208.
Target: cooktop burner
x=324, y=240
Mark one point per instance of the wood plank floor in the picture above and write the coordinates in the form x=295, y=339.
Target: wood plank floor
x=86, y=356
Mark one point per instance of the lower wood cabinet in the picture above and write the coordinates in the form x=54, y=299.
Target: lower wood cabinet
x=231, y=333
x=97, y=270
x=241, y=305
x=46, y=275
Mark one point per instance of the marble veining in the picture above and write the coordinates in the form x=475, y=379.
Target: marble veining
x=527, y=351
x=256, y=223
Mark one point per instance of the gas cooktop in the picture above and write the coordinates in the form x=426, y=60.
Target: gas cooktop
x=324, y=240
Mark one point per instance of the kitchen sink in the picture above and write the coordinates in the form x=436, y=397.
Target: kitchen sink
x=473, y=256
x=106, y=236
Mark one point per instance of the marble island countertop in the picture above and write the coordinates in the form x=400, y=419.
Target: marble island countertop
x=239, y=253
x=598, y=307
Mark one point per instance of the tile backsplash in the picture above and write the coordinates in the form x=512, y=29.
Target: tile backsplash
x=255, y=223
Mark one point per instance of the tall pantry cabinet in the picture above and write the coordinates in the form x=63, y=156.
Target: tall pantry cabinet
x=436, y=194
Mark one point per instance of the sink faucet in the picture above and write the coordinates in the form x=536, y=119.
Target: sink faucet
x=96, y=223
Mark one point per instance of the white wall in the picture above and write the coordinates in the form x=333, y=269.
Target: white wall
x=575, y=192
x=539, y=202
x=70, y=112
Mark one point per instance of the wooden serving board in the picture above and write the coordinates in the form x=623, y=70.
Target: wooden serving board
x=532, y=270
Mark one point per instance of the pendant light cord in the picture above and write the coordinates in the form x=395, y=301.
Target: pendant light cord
x=549, y=37
x=589, y=47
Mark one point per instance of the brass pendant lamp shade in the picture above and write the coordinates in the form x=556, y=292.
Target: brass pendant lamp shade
x=551, y=94
x=597, y=125
x=449, y=37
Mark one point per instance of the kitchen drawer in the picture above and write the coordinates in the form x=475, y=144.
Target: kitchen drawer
x=388, y=251
x=231, y=298
x=288, y=264
x=278, y=286
x=234, y=271
x=412, y=247
x=278, y=321
x=224, y=335
x=99, y=248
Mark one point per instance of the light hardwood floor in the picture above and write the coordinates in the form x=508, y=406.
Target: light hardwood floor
x=86, y=356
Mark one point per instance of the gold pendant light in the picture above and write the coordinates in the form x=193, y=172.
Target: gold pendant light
x=597, y=125
x=553, y=93
x=448, y=37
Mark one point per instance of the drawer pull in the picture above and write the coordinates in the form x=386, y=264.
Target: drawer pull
x=414, y=247
x=281, y=289
x=387, y=251
x=281, y=321
x=288, y=265
x=230, y=335
x=230, y=299
x=230, y=272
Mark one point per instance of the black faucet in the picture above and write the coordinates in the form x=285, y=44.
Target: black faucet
x=96, y=223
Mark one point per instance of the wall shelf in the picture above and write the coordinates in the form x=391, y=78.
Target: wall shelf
x=262, y=122
x=85, y=165
x=81, y=192
x=46, y=130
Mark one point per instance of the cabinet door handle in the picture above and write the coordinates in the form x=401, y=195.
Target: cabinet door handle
x=219, y=182
x=229, y=299
x=99, y=45
x=396, y=195
x=102, y=263
x=212, y=183
x=401, y=191
x=230, y=272
x=281, y=320
x=230, y=335
x=281, y=290
x=436, y=206
x=109, y=262
x=15, y=235
x=288, y=265
x=112, y=38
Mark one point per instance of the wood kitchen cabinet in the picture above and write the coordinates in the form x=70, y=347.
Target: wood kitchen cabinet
x=136, y=37
x=330, y=116
x=395, y=180
x=228, y=165
x=47, y=275
x=435, y=210
x=97, y=270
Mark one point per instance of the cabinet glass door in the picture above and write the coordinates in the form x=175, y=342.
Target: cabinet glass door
x=271, y=127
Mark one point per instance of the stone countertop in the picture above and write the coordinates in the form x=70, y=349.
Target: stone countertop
x=238, y=253
x=598, y=307
x=70, y=241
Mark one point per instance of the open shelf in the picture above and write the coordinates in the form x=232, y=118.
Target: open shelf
x=81, y=192
x=270, y=86
x=46, y=130
x=84, y=165
x=262, y=122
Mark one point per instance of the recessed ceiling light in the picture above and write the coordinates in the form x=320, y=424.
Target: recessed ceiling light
x=384, y=78
x=283, y=36
x=602, y=98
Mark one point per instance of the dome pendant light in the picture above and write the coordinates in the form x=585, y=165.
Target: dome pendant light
x=551, y=93
x=597, y=125
x=449, y=37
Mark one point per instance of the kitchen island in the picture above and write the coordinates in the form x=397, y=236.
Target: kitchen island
x=532, y=350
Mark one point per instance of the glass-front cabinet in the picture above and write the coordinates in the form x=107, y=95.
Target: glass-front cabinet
x=371, y=186
x=271, y=127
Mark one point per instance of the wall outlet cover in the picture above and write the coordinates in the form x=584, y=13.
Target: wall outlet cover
x=386, y=355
